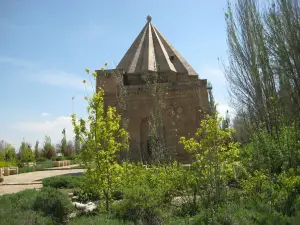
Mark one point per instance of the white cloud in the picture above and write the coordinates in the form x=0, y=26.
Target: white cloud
x=223, y=108
x=37, y=130
x=45, y=114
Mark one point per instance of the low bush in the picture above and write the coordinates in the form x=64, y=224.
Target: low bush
x=64, y=181
x=38, y=167
x=13, y=216
x=87, y=195
x=126, y=210
x=23, y=200
x=71, y=157
x=18, y=209
x=6, y=164
x=1, y=179
x=44, y=165
x=145, y=193
x=53, y=203
x=27, y=169
x=41, y=159
x=28, y=207
x=59, y=158
x=98, y=219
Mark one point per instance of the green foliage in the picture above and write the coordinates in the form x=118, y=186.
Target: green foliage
x=11, y=216
x=38, y=167
x=18, y=209
x=41, y=159
x=258, y=186
x=216, y=162
x=7, y=152
x=86, y=194
x=70, y=149
x=36, y=150
x=2, y=156
x=6, y=164
x=35, y=207
x=287, y=193
x=27, y=155
x=103, y=139
x=145, y=192
x=274, y=153
x=10, y=153
x=53, y=203
x=27, y=169
x=64, y=181
x=48, y=149
x=98, y=219
x=63, y=146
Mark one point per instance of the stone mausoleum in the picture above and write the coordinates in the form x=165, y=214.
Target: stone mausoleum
x=185, y=102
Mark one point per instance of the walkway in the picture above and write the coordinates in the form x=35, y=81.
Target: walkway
x=16, y=183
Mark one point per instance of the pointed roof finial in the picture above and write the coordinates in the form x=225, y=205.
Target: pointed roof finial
x=149, y=18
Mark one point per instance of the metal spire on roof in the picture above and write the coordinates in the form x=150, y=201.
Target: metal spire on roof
x=149, y=18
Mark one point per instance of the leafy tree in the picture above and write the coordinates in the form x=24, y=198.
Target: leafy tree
x=63, y=146
x=48, y=149
x=102, y=138
x=26, y=154
x=10, y=153
x=212, y=108
x=216, y=157
x=7, y=152
x=22, y=147
x=36, y=150
x=263, y=72
x=77, y=145
x=70, y=149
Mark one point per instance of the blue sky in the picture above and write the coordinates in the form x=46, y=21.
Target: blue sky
x=46, y=45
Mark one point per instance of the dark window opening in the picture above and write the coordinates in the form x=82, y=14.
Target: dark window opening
x=172, y=57
x=125, y=79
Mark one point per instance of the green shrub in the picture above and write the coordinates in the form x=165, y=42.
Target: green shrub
x=59, y=158
x=126, y=210
x=53, y=203
x=45, y=164
x=98, y=219
x=41, y=159
x=18, y=209
x=6, y=164
x=27, y=169
x=23, y=200
x=15, y=216
x=71, y=157
x=65, y=181
x=87, y=195
x=1, y=179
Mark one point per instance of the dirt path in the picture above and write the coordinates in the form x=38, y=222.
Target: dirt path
x=16, y=183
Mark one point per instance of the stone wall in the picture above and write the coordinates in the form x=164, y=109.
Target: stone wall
x=185, y=103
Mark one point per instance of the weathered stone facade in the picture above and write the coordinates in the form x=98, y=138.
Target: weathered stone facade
x=185, y=101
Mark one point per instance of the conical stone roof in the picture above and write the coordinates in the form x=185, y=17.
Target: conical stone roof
x=151, y=52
